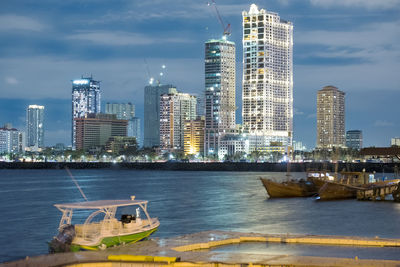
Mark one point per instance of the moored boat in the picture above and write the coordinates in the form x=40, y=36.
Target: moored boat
x=292, y=188
x=110, y=231
x=333, y=190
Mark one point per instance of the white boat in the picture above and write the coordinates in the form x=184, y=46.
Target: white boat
x=110, y=231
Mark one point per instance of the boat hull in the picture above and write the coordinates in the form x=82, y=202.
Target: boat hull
x=114, y=241
x=288, y=189
x=332, y=191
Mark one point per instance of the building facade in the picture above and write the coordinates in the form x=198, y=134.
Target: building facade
x=86, y=98
x=231, y=144
x=35, y=127
x=354, y=139
x=330, y=118
x=395, y=141
x=194, y=136
x=134, y=130
x=267, y=79
x=124, y=111
x=152, y=95
x=175, y=109
x=94, y=130
x=11, y=140
x=220, y=92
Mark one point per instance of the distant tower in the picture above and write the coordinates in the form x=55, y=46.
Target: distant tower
x=124, y=111
x=35, y=127
x=175, y=109
x=152, y=95
x=85, y=99
x=134, y=130
x=267, y=80
x=330, y=118
x=220, y=92
x=354, y=139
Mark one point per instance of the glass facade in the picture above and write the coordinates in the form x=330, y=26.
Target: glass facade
x=35, y=127
x=85, y=99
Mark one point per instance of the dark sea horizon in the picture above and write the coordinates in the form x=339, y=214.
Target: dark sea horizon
x=184, y=202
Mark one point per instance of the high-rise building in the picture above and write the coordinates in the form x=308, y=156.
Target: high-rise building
x=267, y=79
x=11, y=140
x=134, y=130
x=175, y=109
x=194, y=136
x=85, y=99
x=124, y=111
x=330, y=118
x=220, y=92
x=152, y=95
x=35, y=127
x=94, y=130
x=354, y=139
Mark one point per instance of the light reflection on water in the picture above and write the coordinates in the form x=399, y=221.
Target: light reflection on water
x=185, y=202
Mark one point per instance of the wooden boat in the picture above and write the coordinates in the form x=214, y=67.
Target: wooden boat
x=292, y=188
x=333, y=190
x=109, y=231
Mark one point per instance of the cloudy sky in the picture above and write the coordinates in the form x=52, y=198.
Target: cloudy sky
x=44, y=44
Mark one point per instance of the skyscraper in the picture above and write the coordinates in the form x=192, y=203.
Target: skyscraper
x=85, y=99
x=152, y=95
x=267, y=79
x=134, y=130
x=330, y=118
x=35, y=127
x=194, y=136
x=124, y=111
x=354, y=139
x=175, y=109
x=220, y=93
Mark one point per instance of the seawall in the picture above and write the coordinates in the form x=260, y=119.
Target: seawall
x=200, y=166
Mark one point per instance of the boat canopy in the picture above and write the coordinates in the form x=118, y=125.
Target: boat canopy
x=101, y=204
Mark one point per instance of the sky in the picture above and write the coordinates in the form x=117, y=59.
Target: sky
x=44, y=44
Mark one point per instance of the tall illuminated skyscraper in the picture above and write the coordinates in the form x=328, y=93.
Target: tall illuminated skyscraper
x=35, y=127
x=330, y=118
x=267, y=79
x=85, y=99
x=220, y=93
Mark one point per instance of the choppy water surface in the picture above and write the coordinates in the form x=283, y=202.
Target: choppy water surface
x=185, y=202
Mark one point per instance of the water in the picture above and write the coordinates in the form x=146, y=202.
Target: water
x=185, y=202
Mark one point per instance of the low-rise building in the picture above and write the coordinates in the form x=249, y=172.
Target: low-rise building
x=11, y=140
x=354, y=139
x=94, y=130
x=231, y=144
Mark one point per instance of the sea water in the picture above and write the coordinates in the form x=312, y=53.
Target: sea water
x=184, y=201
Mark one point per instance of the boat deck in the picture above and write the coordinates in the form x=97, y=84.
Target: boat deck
x=194, y=250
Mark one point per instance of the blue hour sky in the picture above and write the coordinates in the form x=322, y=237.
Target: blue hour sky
x=44, y=44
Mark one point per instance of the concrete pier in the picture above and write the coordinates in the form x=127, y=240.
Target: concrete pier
x=196, y=250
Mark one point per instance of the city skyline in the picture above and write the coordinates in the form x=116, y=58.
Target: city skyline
x=348, y=44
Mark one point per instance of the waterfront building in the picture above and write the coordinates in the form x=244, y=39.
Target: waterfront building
x=395, y=141
x=85, y=99
x=134, y=130
x=231, y=144
x=175, y=109
x=94, y=130
x=330, y=118
x=35, y=127
x=354, y=139
x=152, y=95
x=220, y=92
x=267, y=80
x=124, y=111
x=11, y=140
x=194, y=136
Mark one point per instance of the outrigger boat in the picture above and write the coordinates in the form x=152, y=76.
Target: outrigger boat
x=108, y=232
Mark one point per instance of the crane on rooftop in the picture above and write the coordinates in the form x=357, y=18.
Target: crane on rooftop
x=227, y=28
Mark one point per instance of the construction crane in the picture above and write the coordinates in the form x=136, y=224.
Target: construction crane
x=227, y=29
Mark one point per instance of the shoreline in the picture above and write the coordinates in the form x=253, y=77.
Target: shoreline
x=208, y=166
